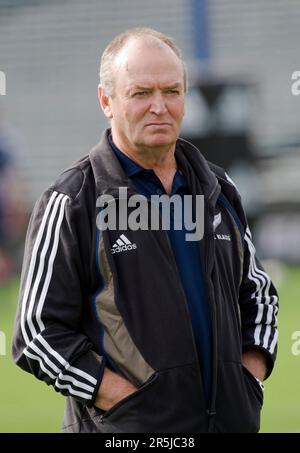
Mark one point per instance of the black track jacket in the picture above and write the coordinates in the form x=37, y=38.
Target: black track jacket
x=84, y=306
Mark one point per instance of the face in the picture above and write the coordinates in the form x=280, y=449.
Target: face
x=147, y=107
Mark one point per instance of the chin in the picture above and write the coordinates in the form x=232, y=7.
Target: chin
x=160, y=141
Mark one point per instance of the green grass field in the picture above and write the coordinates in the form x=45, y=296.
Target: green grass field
x=281, y=412
x=27, y=405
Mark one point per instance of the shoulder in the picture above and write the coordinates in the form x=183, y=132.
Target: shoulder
x=224, y=179
x=74, y=179
x=219, y=172
x=230, y=196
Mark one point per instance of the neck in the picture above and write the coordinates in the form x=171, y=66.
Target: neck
x=148, y=157
x=160, y=159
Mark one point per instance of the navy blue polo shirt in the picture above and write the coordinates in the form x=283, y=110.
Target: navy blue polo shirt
x=187, y=257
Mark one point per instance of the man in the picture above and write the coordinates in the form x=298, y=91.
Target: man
x=142, y=329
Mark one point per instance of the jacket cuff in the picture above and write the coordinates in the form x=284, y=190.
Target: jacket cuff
x=99, y=377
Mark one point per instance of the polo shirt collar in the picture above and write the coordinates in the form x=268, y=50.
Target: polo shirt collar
x=132, y=168
x=129, y=166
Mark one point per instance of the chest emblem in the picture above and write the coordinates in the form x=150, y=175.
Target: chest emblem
x=216, y=222
x=122, y=244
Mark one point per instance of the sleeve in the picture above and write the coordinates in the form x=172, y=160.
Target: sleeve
x=258, y=299
x=48, y=341
x=258, y=305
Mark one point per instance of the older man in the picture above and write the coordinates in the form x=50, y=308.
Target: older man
x=142, y=329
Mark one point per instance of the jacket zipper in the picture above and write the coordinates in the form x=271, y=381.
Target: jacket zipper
x=211, y=411
x=208, y=247
x=188, y=317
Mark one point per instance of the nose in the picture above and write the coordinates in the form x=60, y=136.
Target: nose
x=158, y=104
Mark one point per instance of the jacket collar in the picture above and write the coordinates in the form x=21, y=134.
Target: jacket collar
x=107, y=170
x=188, y=156
x=109, y=174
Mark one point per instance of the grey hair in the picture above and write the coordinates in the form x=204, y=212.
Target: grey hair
x=117, y=44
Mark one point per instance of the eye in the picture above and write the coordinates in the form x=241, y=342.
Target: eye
x=172, y=92
x=141, y=93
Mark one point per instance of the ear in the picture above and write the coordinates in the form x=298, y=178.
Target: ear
x=104, y=102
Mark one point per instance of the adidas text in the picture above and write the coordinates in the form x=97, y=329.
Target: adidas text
x=123, y=248
x=122, y=244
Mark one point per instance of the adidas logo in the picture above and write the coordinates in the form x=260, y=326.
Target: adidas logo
x=122, y=245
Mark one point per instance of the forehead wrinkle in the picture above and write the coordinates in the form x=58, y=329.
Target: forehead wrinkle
x=124, y=61
x=150, y=85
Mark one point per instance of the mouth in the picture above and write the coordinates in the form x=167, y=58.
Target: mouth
x=157, y=124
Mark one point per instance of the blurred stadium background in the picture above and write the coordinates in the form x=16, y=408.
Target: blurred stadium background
x=240, y=112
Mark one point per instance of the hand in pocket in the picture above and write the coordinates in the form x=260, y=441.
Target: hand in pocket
x=113, y=389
